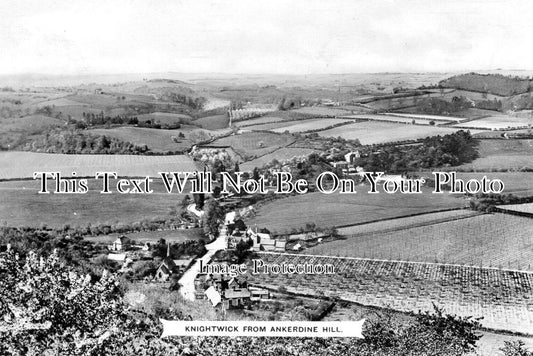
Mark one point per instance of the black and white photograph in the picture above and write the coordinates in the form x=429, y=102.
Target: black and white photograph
x=268, y=177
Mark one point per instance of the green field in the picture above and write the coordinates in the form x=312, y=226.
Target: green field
x=502, y=155
x=254, y=144
x=373, y=132
x=322, y=111
x=299, y=125
x=406, y=222
x=157, y=140
x=517, y=183
x=23, y=206
x=281, y=154
x=335, y=209
x=214, y=122
x=262, y=120
x=14, y=129
x=498, y=122
x=17, y=165
x=496, y=240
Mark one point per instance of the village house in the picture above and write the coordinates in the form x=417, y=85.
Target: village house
x=263, y=242
x=232, y=292
x=122, y=243
x=351, y=156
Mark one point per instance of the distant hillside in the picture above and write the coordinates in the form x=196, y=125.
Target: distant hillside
x=496, y=84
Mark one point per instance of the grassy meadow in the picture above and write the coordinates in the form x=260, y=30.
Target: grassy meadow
x=23, y=206
x=19, y=165
x=326, y=210
x=254, y=144
x=373, y=132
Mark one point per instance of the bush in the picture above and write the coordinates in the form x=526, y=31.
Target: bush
x=515, y=348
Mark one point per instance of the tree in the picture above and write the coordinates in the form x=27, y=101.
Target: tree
x=242, y=250
x=48, y=308
x=211, y=219
x=515, y=348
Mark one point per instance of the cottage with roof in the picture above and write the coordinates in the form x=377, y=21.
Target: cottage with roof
x=122, y=243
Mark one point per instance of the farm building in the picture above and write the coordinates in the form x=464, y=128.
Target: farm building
x=351, y=156
x=122, y=243
x=232, y=292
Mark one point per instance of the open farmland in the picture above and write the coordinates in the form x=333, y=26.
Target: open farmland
x=301, y=125
x=14, y=129
x=280, y=155
x=213, y=122
x=23, y=206
x=283, y=215
x=497, y=122
x=406, y=222
x=373, y=132
x=157, y=140
x=18, y=165
x=500, y=154
x=261, y=120
x=28, y=124
x=526, y=209
x=502, y=297
x=517, y=183
x=254, y=144
x=496, y=240
x=428, y=118
x=322, y=111
x=401, y=118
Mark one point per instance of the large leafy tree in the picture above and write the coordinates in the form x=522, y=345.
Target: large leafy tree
x=48, y=309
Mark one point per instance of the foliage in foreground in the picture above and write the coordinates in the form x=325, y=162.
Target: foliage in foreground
x=47, y=309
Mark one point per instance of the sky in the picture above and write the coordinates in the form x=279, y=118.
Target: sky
x=263, y=36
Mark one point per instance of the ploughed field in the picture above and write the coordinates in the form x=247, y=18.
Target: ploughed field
x=501, y=297
x=493, y=240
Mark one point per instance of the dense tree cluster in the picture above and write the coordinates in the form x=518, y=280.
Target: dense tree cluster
x=92, y=119
x=436, y=151
x=178, y=250
x=192, y=102
x=436, y=106
x=76, y=142
x=489, y=83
